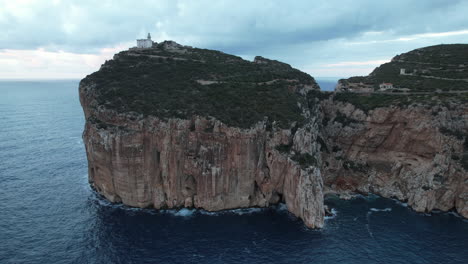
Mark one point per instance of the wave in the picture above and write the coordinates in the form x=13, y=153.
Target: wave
x=246, y=211
x=240, y=211
x=184, y=212
x=400, y=202
x=368, y=223
x=371, y=210
x=281, y=207
x=334, y=213
x=381, y=210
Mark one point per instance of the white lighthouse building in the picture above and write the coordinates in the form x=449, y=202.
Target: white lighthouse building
x=145, y=43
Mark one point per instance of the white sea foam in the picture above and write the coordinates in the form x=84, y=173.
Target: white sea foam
x=281, y=207
x=203, y=212
x=400, y=202
x=456, y=215
x=240, y=211
x=184, y=212
x=246, y=211
x=371, y=210
x=381, y=210
x=334, y=213
x=368, y=224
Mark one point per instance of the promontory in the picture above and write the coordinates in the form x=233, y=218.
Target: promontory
x=171, y=126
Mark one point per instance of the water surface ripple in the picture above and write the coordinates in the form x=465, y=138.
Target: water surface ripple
x=50, y=215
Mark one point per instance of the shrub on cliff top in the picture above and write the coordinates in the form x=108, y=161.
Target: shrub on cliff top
x=464, y=161
x=370, y=102
x=344, y=120
x=240, y=93
x=304, y=159
x=449, y=132
x=354, y=166
x=284, y=148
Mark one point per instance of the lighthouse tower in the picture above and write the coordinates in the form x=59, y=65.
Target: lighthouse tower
x=145, y=43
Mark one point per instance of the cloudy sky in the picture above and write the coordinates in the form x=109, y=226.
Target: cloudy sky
x=69, y=39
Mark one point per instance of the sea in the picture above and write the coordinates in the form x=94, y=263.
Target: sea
x=327, y=83
x=49, y=214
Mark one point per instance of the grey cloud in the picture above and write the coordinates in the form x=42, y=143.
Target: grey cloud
x=306, y=34
x=235, y=26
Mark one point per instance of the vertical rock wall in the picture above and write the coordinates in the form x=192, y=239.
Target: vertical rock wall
x=201, y=163
x=409, y=153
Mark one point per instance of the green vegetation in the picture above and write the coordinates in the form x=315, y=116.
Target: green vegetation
x=315, y=96
x=421, y=65
x=464, y=161
x=455, y=133
x=321, y=95
x=336, y=149
x=367, y=102
x=343, y=119
x=370, y=102
x=453, y=54
x=165, y=83
x=323, y=145
x=354, y=166
x=284, y=148
x=304, y=159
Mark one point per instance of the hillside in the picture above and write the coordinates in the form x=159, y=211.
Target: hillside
x=429, y=69
x=171, y=80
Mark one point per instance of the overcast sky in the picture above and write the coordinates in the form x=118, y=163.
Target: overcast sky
x=70, y=39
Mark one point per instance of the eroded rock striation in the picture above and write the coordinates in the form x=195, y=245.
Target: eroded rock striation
x=174, y=126
x=414, y=153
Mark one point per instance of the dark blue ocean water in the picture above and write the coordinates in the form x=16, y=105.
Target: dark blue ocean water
x=49, y=214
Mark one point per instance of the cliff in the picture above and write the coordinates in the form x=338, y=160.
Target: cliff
x=209, y=139
x=409, y=142
x=174, y=126
x=416, y=153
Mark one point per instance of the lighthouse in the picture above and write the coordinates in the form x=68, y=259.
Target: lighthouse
x=145, y=43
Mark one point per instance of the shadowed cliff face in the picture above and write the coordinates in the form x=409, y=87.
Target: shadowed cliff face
x=414, y=153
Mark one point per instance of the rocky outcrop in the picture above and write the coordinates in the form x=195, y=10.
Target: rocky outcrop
x=409, y=153
x=199, y=162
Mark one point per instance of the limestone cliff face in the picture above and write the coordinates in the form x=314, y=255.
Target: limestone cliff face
x=199, y=162
x=409, y=153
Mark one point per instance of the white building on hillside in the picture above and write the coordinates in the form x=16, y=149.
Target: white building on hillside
x=385, y=86
x=145, y=43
